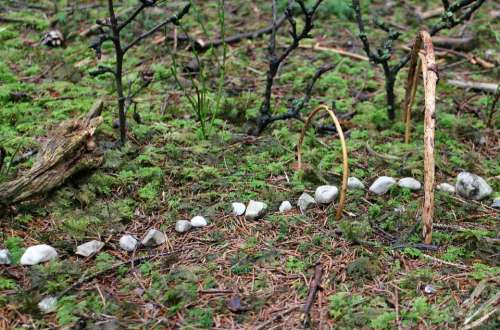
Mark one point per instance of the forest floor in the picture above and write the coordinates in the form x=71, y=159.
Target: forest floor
x=236, y=273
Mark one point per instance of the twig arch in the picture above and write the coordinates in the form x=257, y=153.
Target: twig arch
x=430, y=77
x=345, y=163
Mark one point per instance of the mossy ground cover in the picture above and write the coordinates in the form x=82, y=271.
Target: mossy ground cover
x=373, y=277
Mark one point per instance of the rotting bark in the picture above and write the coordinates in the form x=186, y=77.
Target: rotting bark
x=430, y=78
x=70, y=149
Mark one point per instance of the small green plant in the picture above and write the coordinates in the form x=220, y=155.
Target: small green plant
x=15, y=246
x=295, y=265
x=200, y=318
x=204, y=103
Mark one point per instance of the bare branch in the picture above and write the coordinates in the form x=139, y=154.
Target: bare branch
x=173, y=20
x=102, y=70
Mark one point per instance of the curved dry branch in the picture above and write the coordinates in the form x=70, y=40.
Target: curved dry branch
x=345, y=163
x=430, y=78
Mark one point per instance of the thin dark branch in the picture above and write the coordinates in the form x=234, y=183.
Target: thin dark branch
x=314, y=286
x=294, y=111
x=275, y=60
x=172, y=20
x=447, y=22
x=362, y=33
x=102, y=70
x=131, y=17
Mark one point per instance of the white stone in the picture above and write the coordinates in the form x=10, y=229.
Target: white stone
x=128, y=243
x=255, y=210
x=305, y=201
x=355, y=183
x=325, y=194
x=153, y=237
x=409, y=183
x=400, y=209
x=382, y=185
x=48, y=305
x=238, y=209
x=199, y=221
x=37, y=254
x=89, y=248
x=429, y=289
x=496, y=203
x=285, y=207
x=446, y=187
x=182, y=226
x=472, y=186
x=4, y=257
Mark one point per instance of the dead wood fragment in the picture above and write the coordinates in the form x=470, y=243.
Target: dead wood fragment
x=463, y=43
x=430, y=78
x=70, y=149
x=314, y=286
x=479, y=86
x=339, y=51
x=489, y=308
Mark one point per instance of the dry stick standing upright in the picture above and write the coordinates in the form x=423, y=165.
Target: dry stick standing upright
x=345, y=163
x=430, y=78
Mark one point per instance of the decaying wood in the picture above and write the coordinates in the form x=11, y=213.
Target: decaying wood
x=70, y=149
x=430, y=78
x=314, y=286
x=463, y=43
x=345, y=163
x=480, y=86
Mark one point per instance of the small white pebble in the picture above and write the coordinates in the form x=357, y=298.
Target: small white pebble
x=238, y=209
x=285, y=207
x=199, y=221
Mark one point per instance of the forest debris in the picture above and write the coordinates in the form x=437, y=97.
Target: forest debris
x=430, y=78
x=447, y=263
x=463, y=43
x=342, y=52
x=265, y=325
x=372, y=152
x=473, y=59
x=314, y=286
x=423, y=15
x=69, y=150
x=487, y=309
x=479, y=86
x=235, y=305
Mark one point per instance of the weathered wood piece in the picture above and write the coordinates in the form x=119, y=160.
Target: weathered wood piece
x=69, y=150
x=430, y=78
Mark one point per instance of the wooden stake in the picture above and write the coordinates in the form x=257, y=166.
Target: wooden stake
x=430, y=78
x=345, y=163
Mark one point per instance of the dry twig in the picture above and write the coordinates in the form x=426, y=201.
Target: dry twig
x=345, y=163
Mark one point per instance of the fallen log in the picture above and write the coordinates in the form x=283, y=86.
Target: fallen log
x=70, y=149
